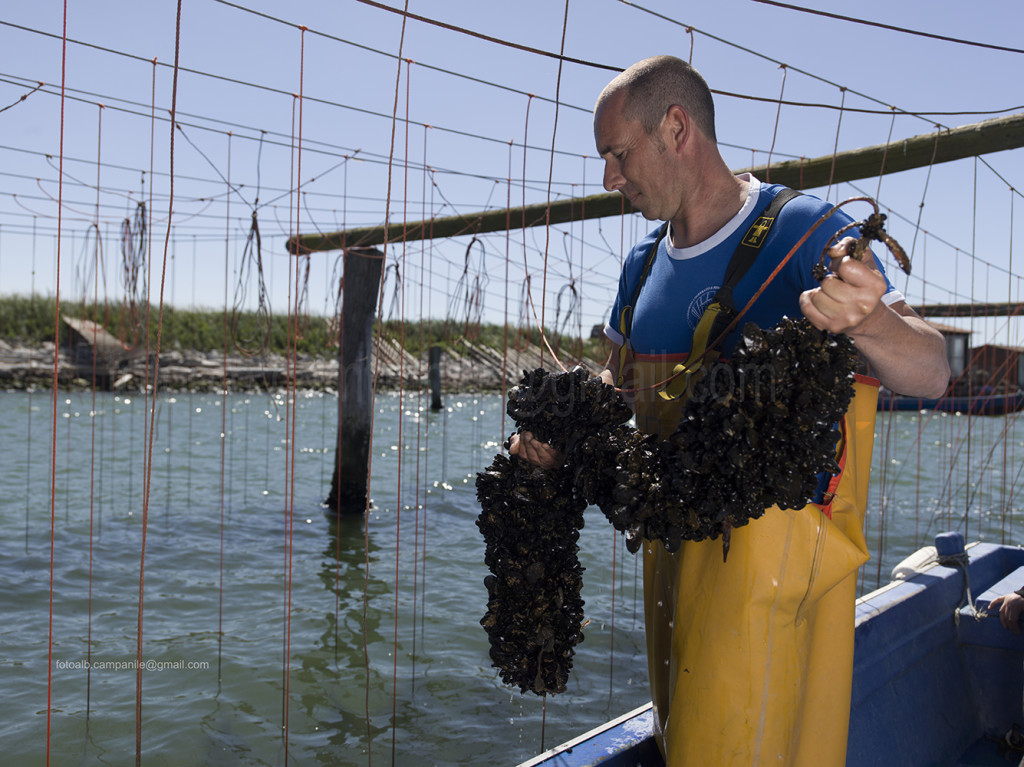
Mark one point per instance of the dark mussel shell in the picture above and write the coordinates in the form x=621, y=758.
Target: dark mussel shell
x=756, y=432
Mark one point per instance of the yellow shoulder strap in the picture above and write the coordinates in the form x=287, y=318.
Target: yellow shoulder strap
x=683, y=376
x=721, y=313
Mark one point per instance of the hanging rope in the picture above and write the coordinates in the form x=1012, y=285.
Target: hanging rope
x=23, y=97
x=885, y=154
x=835, y=148
x=924, y=191
x=250, y=331
x=134, y=240
x=775, y=131
x=466, y=301
x=572, y=314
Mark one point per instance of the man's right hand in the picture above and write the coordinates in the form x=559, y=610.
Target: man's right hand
x=530, y=449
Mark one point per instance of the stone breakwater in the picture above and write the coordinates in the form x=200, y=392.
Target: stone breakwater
x=464, y=366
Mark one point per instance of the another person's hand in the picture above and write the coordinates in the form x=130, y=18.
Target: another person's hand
x=1010, y=607
x=531, y=449
x=848, y=296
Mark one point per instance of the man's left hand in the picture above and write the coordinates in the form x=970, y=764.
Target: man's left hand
x=1010, y=607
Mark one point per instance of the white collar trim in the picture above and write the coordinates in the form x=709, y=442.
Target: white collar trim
x=722, y=234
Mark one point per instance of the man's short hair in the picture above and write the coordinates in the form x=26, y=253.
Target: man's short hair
x=655, y=84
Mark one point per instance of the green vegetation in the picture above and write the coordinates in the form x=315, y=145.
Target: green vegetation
x=30, y=321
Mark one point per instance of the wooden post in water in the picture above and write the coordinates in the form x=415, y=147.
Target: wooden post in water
x=361, y=283
x=435, y=378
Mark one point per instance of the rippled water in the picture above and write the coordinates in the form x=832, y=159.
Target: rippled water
x=378, y=621
x=364, y=686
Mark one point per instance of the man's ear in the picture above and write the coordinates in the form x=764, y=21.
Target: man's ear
x=676, y=127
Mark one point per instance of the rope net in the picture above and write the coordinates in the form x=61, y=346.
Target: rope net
x=254, y=506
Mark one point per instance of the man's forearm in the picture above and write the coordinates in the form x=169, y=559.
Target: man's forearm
x=906, y=354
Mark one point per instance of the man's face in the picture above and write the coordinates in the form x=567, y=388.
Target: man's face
x=634, y=161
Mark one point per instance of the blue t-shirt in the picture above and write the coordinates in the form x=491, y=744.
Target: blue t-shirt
x=683, y=282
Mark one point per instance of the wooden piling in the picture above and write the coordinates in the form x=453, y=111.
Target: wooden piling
x=435, y=378
x=361, y=283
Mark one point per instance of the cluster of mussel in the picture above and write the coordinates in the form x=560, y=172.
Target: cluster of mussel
x=756, y=431
x=530, y=520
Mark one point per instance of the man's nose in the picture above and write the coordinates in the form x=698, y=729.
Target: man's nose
x=613, y=179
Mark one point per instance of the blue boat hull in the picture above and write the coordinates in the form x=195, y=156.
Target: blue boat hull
x=933, y=686
x=981, y=404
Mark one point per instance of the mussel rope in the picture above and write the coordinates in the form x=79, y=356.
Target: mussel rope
x=757, y=294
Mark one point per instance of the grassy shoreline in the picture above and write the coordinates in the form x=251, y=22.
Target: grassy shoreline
x=28, y=323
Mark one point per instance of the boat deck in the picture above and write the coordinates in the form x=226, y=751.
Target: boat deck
x=936, y=684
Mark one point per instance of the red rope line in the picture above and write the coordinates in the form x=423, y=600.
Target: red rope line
x=152, y=406
x=92, y=415
x=338, y=318
x=880, y=25
x=611, y=620
x=286, y=587
x=376, y=377
x=419, y=407
x=426, y=496
x=920, y=418
x=223, y=421
x=508, y=260
x=528, y=295
x=53, y=440
x=498, y=41
x=292, y=367
x=526, y=268
x=583, y=239
x=1007, y=499
x=401, y=422
x=551, y=172
x=970, y=382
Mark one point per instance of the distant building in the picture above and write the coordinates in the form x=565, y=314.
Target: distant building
x=974, y=369
x=1001, y=367
x=958, y=342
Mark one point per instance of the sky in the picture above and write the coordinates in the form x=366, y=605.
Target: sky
x=406, y=121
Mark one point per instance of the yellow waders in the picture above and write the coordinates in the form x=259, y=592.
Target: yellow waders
x=751, y=660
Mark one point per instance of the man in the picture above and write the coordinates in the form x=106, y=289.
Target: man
x=750, y=660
